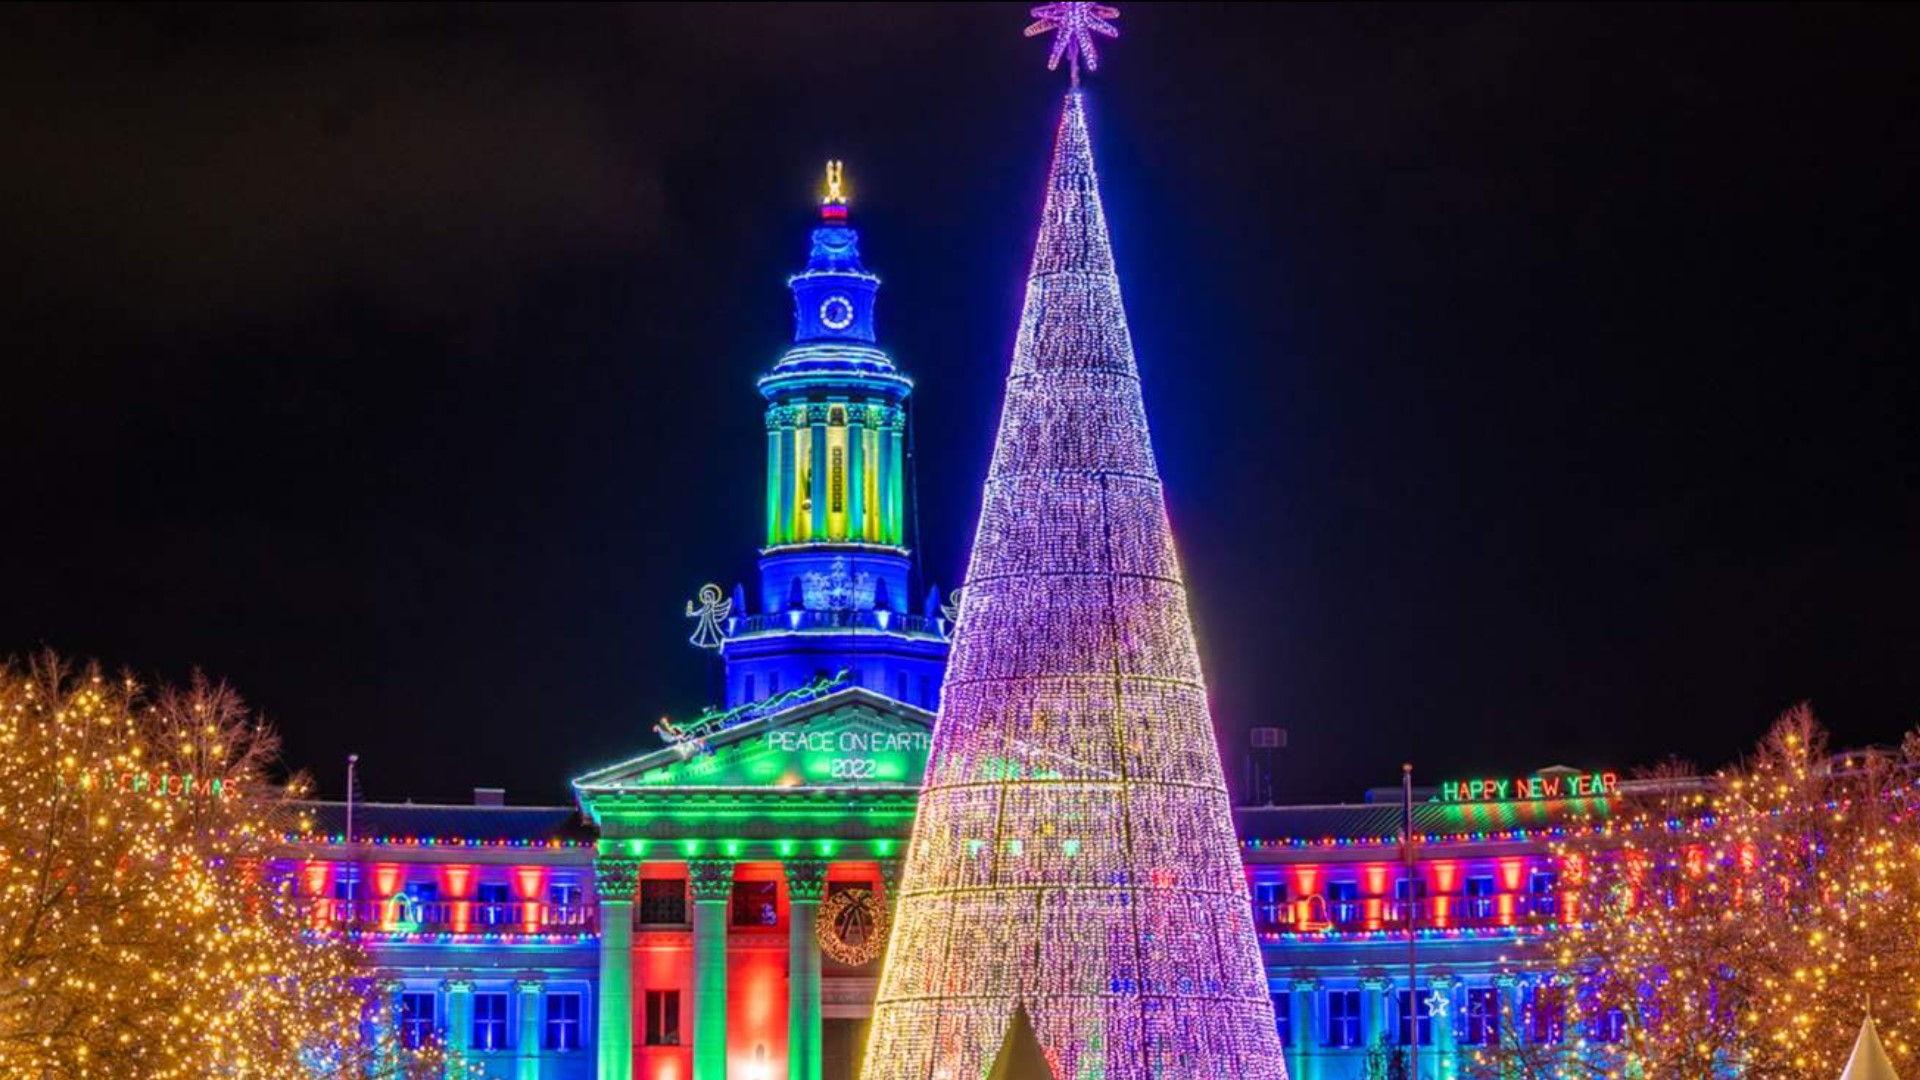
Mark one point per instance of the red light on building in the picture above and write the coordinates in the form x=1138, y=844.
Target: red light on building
x=1373, y=879
x=1308, y=879
x=531, y=882
x=456, y=880
x=315, y=876
x=1512, y=872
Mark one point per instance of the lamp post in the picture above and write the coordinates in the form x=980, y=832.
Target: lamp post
x=1413, y=914
x=353, y=762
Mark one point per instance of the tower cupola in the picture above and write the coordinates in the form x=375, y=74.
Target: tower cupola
x=834, y=591
x=836, y=415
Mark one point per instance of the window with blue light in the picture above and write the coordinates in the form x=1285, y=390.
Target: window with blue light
x=495, y=902
x=564, y=894
x=564, y=1025
x=1344, y=1028
x=1410, y=898
x=1611, y=1027
x=746, y=688
x=490, y=1021
x=417, y=1015
x=1480, y=1026
x=1411, y=1007
x=1269, y=898
x=346, y=883
x=1480, y=901
x=900, y=686
x=1343, y=900
x=418, y=896
x=1547, y=1019
x=1541, y=889
x=1283, y=1017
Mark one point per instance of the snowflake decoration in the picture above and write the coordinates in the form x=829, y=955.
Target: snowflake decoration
x=1073, y=26
x=837, y=589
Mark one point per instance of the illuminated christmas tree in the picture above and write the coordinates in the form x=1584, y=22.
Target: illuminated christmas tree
x=1073, y=854
x=143, y=932
x=1737, y=924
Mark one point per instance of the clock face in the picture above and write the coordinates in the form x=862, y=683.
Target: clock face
x=836, y=313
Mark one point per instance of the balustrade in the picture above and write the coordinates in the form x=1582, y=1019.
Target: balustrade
x=457, y=916
x=800, y=619
x=1316, y=914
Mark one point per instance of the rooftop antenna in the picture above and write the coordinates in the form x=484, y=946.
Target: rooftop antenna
x=1265, y=744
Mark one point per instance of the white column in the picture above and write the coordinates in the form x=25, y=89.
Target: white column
x=712, y=883
x=459, y=993
x=806, y=885
x=1446, y=1048
x=1374, y=993
x=386, y=1036
x=1305, y=1028
x=526, y=1048
x=614, y=882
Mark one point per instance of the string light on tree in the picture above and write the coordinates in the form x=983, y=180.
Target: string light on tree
x=141, y=934
x=1073, y=854
x=1739, y=923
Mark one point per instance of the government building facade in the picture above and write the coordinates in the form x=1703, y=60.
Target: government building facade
x=717, y=907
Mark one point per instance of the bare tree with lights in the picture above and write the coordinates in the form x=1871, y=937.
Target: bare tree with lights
x=143, y=933
x=1738, y=924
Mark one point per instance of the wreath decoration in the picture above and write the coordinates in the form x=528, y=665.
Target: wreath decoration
x=852, y=927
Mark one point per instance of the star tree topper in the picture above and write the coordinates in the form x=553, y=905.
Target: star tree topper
x=1073, y=26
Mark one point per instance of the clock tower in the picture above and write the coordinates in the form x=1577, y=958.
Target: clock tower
x=835, y=593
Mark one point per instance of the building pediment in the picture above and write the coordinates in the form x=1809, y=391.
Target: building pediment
x=852, y=739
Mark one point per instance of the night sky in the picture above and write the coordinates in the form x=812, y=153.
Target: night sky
x=1532, y=384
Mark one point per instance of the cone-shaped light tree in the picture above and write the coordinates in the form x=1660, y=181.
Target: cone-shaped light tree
x=1869, y=1060
x=1074, y=854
